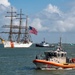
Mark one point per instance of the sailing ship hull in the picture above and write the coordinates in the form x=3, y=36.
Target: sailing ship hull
x=8, y=44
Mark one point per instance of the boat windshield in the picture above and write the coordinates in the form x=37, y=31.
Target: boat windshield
x=50, y=54
x=55, y=54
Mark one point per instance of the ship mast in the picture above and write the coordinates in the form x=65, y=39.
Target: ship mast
x=26, y=36
x=20, y=25
x=11, y=23
x=26, y=30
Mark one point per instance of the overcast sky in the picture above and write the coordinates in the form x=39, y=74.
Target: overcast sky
x=51, y=18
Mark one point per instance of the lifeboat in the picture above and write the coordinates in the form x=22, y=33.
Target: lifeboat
x=54, y=59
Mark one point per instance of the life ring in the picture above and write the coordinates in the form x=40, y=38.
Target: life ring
x=73, y=60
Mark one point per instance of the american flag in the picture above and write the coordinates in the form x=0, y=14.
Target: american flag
x=32, y=30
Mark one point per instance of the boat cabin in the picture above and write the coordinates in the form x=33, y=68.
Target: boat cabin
x=57, y=56
x=44, y=43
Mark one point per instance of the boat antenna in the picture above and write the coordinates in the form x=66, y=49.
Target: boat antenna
x=44, y=39
x=59, y=47
x=60, y=44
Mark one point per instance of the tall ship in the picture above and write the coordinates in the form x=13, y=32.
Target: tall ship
x=23, y=39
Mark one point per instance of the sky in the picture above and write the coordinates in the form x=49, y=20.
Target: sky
x=52, y=18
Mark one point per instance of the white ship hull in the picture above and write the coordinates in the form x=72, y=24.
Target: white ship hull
x=8, y=44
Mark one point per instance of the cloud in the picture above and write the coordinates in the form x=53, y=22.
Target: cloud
x=52, y=9
x=4, y=7
x=52, y=19
x=37, y=23
x=5, y=3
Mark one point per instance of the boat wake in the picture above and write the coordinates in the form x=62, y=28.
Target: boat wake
x=56, y=69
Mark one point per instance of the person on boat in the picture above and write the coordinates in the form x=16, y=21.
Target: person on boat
x=59, y=48
x=36, y=57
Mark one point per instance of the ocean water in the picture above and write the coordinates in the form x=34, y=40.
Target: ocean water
x=18, y=61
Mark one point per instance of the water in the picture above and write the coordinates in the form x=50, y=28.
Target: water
x=18, y=61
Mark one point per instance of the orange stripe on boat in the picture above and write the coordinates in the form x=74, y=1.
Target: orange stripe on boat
x=12, y=44
x=67, y=65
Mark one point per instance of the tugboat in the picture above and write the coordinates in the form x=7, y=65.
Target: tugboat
x=53, y=60
x=44, y=44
